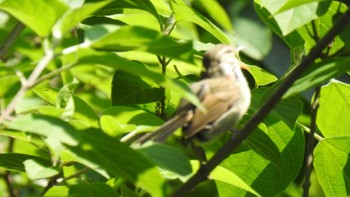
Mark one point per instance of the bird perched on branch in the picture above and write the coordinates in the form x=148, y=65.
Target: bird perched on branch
x=222, y=90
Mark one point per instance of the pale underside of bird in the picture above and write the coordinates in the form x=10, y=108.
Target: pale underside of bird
x=222, y=90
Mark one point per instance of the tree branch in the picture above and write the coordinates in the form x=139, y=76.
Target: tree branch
x=17, y=29
x=267, y=106
x=310, y=143
x=27, y=84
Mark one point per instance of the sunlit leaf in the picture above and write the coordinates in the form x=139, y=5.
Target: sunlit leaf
x=38, y=15
x=75, y=16
x=184, y=12
x=334, y=109
x=331, y=164
x=37, y=170
x=139, y=38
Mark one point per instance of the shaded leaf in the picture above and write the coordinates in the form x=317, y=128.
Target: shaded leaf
x=123, y=119
x=168, y=158
x=92, y=189
x=14, y=161
x=98, y=149
x=128, y=89
x=319, y=73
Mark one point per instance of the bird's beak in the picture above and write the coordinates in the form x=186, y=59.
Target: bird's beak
x=243, y=66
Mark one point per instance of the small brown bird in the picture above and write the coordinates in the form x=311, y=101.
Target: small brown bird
x=222, y=90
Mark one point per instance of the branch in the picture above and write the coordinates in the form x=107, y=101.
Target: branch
x=310, y=143
x=27, y=84
x=267, y=106
x=17, y=29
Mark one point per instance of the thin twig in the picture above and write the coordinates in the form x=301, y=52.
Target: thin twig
x=52, y=74
x=310, y=143
x=308, y=130
x=15, y=32
x=267, y=106
x=49, y=55
x=80, y=172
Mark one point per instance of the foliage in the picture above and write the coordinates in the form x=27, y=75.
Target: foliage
x=81, y=79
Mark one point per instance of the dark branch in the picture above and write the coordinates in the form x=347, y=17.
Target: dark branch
x=268, y=105
x=10, y=40
x=310, y=143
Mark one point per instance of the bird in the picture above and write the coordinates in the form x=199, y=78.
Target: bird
x=222, y=90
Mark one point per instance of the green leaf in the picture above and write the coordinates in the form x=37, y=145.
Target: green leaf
x=8, y=83
x=222, y=174
x=48, y=94
x=184, y=12
x=65, y=93
x=168, y=158
x=294, y=41
x=74, y=16
x=14, y=161
x=134, y=4
x=84, y=116
x=289, y=4
x=319, y=27
x=38, y=170
x=38, y=15
x=139, y=38
x=334, y=111
x=216, y=12
x=92, y=189
x=319, y=73
x=122, y=119
x=266, y=172
x=98, y=149
x=256, y=45
x=260, y=142
x=47, y=126
x=89, y=57
x=57, y=191
x=261, y=76
x=331, y=162
x=128, y=89
x=295, y=17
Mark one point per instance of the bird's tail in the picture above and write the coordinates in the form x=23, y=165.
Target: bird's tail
x=165, y=130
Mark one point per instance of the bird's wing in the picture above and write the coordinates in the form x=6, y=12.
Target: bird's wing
x=216, y=101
